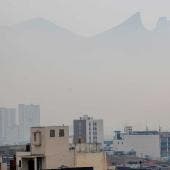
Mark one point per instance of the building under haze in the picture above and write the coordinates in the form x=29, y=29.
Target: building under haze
x=88, y=130
x=8, y=127
x=165, y=144
x=29, y=116
x=146, y=143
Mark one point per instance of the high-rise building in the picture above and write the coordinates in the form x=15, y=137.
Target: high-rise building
x=165, y=144
x=29, y=116
x=88, y=130
x=8, y=127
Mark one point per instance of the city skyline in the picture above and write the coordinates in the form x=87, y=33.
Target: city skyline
x=84, y=84
x=15, y=123
x=120, y=75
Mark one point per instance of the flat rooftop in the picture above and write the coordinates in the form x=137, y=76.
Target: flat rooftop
x=144, y=133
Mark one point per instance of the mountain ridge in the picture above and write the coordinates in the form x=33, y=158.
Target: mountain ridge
x=132, y=23
x=130, y=70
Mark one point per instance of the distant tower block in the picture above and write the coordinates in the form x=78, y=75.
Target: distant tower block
x=128, y=129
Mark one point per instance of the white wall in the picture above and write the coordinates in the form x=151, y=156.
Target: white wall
x=100, y=133
x=142, y=144
x=55, y=149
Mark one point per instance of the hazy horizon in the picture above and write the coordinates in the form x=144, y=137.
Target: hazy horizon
x=121, y=75
x=83, y=17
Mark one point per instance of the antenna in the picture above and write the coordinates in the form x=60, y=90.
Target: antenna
x=147, y=127
x=160, y=128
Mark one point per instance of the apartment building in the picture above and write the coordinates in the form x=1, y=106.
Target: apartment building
x=88, y=130
x=165, y=144
x=29, y=116
x=8, y=127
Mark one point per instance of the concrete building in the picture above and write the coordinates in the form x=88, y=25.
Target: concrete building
x=50, y=149
x=8, y=127
x=88, y=130
x=146, y=144
x=108, y=146
x=12, y=133
x=29, y=116
x=165, y=145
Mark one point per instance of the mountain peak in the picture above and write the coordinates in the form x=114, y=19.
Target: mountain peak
x=131, y=26
x=36, y=23
x=41, y=26
x=135, y=18
x=133, y=22
x=163, y=24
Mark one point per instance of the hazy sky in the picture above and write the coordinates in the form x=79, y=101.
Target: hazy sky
x=149, y=96
x=83, y=16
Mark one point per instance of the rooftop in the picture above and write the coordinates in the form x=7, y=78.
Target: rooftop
x=144, y=133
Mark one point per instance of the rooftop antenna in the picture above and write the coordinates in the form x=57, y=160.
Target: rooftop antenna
x=147, y=127
x=160, y=129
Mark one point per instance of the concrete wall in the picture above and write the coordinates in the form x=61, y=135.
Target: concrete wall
x=41, y=148
x=95, y=160
x=79, y=131
x=55, y=161
x=19, y=156
x=100, y=131
x=142, y=144
x=55, y=149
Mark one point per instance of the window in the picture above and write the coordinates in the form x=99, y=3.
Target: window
x=95, y=138
x=61, y=133
x=35, y=137
x=89, y=126
x=52, y=133
x=20, y=163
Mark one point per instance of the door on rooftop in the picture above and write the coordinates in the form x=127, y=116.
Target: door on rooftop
x=39, y=163
x=31, y=164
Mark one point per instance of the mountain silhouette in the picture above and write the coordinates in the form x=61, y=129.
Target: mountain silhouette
x=123, y=70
